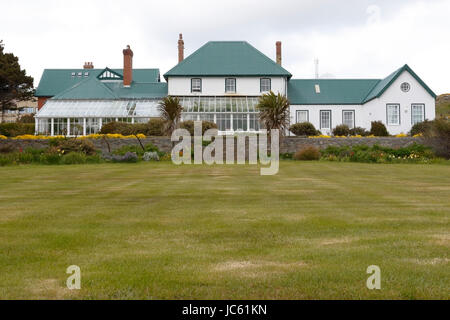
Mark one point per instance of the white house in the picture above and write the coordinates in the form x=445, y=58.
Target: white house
x=221, y=82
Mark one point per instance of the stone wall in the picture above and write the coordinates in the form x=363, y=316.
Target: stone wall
x=290, y=144
x=163, y=143
x=293, y=144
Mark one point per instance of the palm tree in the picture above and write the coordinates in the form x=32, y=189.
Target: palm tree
x=274, y=112
x=170, y=109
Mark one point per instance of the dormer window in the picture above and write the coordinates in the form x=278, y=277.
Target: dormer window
x=196, y=85
x=230, y=85
x=265, y=85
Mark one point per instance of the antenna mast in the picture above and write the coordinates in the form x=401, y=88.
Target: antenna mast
x=316, y=63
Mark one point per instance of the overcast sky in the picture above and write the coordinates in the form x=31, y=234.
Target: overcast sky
x=351, y=38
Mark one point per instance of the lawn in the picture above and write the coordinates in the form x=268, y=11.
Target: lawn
x=158, y=231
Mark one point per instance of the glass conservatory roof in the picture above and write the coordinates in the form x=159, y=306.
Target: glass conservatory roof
x=98, y=109
x=219, y=104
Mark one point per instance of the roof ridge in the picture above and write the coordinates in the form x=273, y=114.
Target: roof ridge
x=262, y=54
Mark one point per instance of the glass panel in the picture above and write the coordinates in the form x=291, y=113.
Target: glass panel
x=76, y=126
x=348, y=118
x=302, y=116
x=393, y=114
x=92, y=125
x=325, y=119
x=417, y=113
x=60, y=126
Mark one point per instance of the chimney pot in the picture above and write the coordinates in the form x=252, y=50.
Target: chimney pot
x=180, y=48
x=278, y=45
x=127, y=66
x=88, y=65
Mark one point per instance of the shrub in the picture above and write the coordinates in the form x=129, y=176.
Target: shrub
x=150, y=156
x=379, y=129
x=129, y=157
x=75, y=145
x=7, y=148
x=421, y=127
x=16, y=129
x=117, y=127
x=308, y=153
x=341, y=130
x=51, y=156
x=438, y=137
x=137, y=149
x=152, y=128
x=27, y=118
x=358, y=131
x=155, y=127
x=303, y=129
x=189, y=126
x=74, y=158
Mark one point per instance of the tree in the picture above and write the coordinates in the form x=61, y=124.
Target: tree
x=15, y=85
x=274, y=112
x=170, y=109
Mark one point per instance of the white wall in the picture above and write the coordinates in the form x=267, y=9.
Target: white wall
x=336, y=114
x=215, y=86
x=376, y=109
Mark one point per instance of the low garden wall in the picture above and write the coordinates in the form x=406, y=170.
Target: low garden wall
x=289, y=144
x=293, y=144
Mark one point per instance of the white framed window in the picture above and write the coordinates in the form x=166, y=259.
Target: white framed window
x=265, y=85
x=393, y=114
x=302, y=116
x=348, y=118
x=417, y=113
x=405, y=86
x=196, y=85
x=325, y=119
x=230, y=85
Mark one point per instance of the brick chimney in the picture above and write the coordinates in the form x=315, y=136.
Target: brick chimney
x=180, y=48
x=278, y=44
x=88, y=65
x=127, y=66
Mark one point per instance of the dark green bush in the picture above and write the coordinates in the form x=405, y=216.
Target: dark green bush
x=421, y=127
x=16, y=129
x=189, y=126
x=378, y=129
x=308, y=153
x=358, y=131
x=152, y=128
x=303, y=129
x=438, y=137
x=74, y=158
x=341, y=130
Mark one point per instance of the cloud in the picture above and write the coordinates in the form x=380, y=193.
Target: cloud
x=65, y=34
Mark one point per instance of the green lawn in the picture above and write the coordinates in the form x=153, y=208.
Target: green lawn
x=158, y=231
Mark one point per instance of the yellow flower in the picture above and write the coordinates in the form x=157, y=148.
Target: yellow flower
x=418, y=135
x=401, y=135
x=3, y=137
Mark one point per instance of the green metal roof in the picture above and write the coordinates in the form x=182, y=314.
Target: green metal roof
x=382, y=85
x=332, y=91
x=95, y=89
x=227, y=58
x=344, y=91
x=55, y=81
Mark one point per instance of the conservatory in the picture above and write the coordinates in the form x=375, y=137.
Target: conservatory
x=84, y=117
x=231, y=114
